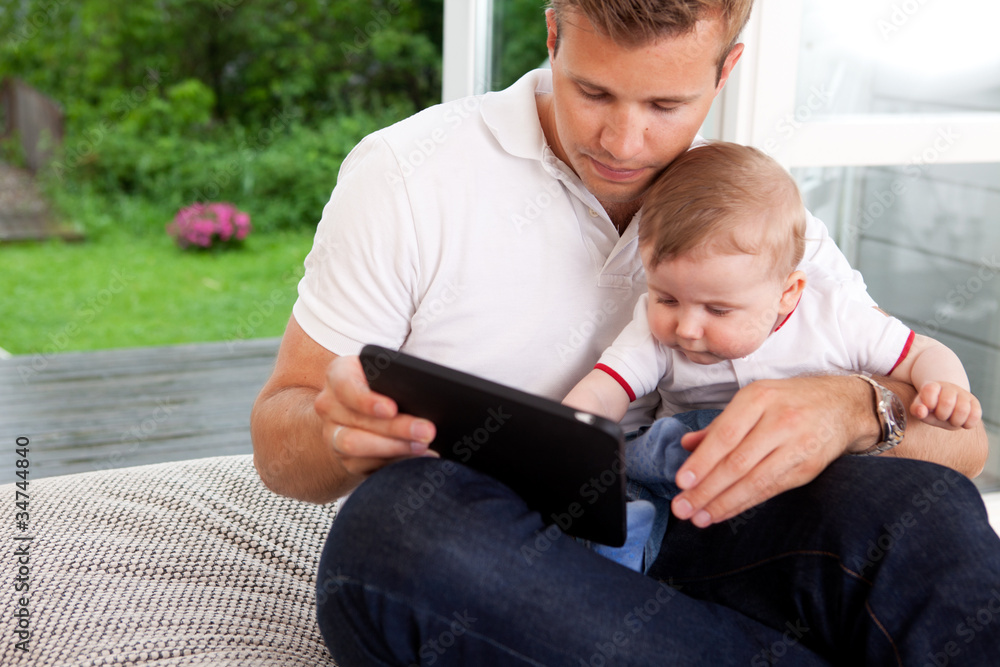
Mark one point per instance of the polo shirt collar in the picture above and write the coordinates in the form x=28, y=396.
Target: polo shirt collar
x=512, y=115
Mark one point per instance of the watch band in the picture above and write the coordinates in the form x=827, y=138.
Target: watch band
x=891, y=417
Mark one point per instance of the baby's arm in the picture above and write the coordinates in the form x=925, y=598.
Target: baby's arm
x=600, y=394
x=943, y=396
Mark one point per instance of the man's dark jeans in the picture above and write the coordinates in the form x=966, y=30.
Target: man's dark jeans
x=879, y=561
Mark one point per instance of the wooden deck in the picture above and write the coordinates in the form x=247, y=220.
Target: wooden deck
x=87, y=411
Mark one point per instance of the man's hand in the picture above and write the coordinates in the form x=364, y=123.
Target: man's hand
x=775, y=435
x=363, y=428
x=318, y=429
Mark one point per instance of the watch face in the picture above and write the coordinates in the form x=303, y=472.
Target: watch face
x=896, y=414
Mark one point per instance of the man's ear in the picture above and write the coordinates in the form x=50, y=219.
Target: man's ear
x=794, y=284
x=550, y=22
x=727, y=67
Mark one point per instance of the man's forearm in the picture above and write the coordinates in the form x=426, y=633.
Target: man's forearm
x=964, y=450
x=289, y=454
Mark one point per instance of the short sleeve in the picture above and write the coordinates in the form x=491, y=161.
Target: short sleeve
x=636, y=359
x=878, y=342
x=361, y=276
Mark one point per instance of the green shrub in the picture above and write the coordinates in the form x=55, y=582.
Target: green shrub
x=281, y=176
x=323, y=57
x=257, y=103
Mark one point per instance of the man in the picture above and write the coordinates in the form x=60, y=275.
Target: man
x=497, y=235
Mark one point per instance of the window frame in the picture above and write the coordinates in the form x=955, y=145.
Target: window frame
x=758, y=107
x=467, y=48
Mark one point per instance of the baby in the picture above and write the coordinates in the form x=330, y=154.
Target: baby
x=722, y=233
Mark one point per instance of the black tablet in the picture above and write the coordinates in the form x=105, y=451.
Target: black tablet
x=566, y=464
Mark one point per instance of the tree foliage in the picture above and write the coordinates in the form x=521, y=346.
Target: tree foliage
x=519, y=39
x=250, y=101
x=322, y=57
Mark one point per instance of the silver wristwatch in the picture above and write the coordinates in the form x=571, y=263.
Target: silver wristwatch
x=891, y=416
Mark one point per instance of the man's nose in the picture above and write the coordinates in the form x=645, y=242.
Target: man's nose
x=623, y=134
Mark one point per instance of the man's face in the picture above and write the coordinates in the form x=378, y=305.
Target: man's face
x=620, y=115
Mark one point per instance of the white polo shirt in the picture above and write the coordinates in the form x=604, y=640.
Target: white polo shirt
x=828, y=332
x=458, y=236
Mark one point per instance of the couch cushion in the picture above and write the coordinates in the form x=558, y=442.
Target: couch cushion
x=171, y=564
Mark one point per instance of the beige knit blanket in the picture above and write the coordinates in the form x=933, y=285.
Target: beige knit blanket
x=190, y=563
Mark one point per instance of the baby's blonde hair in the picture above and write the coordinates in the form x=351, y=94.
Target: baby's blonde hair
x=727, y=198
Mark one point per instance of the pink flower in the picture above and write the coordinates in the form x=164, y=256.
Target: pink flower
x=203, y=224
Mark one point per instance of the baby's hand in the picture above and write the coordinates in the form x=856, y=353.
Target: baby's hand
x=946, y=405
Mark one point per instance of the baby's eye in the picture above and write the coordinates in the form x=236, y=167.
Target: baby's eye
x=719, y=312
x=667, y=302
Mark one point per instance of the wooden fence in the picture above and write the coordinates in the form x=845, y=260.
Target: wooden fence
x=32, y=116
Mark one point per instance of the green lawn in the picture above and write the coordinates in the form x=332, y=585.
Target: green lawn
x=124, y=288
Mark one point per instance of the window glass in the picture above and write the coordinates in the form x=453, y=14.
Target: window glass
x=519, y=35
x=899, y=56
x=927, y=240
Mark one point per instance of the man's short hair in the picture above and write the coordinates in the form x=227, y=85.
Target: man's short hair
x=726, y=198
x=636, y=22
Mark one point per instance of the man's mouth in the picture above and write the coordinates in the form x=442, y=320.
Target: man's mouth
x=610, y=173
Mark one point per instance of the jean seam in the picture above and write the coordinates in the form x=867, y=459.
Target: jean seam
x=884, y=631
x=410, y=603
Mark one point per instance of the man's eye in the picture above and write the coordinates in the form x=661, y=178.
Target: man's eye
x=592, y=96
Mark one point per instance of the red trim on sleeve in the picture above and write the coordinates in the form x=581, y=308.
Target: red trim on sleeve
x=618, y=378
x=906, y=351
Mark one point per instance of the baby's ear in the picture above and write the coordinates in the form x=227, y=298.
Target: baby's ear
x=792, y=291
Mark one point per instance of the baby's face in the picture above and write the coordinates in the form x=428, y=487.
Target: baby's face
x=712, y=307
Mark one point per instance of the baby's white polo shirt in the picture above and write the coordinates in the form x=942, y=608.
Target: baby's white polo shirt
x=458, y=236
x=828, y=332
